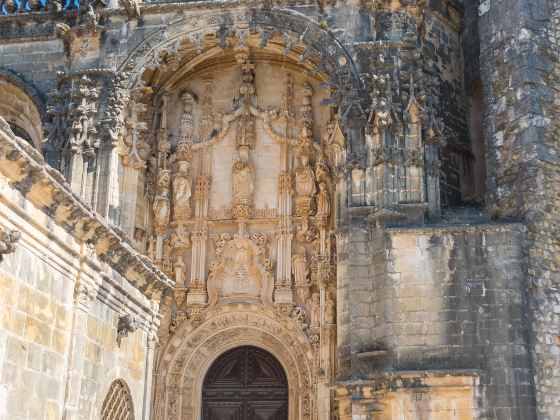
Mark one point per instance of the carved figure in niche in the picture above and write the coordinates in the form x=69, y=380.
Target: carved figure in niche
x=161, y=206
x=182, y=185
x=241, y=260
x=166, y=258
x=243, y=180
x=161, y=209
x=322, y=171
x=323, y=201
x=315, y=310
x=300, y=268
x=247, y=87
x=152, y=248
x=305, y=178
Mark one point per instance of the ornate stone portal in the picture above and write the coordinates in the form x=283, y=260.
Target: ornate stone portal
x=243, y=196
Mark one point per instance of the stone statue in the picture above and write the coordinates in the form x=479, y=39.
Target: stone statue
x=161, y=205
x=243, y=180
x=323, y=201
x=305, y=179
x=300, y=269
x=152, y=248
x=315, y=310
x=161, y=209
x=182, y=185
x=322, y=171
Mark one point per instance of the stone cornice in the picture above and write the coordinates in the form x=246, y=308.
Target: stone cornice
x=457, y=228
x=46, y=188
x=411, y=379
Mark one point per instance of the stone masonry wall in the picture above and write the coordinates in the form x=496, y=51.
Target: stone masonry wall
x=36, y=300
x=59, y=311
x=520, y=73
x=455, y=301
x=106, y=360
x=443, y=298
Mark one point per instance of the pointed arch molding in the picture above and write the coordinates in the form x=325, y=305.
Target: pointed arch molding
x=190, y=353
x=328, y=54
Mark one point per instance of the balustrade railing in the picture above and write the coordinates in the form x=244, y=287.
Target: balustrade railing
x=13, y=7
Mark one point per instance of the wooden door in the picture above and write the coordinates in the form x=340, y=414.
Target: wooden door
x=245, y=383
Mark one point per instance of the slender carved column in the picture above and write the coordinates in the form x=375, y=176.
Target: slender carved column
x=182, y=191
x=151, y=341
x=85, y=291
x=283, y=288
x=197, y=290
x=134, y=161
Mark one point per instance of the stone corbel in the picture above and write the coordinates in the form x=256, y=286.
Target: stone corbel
x=8, y=241
x=85, y=293
x=127, y=324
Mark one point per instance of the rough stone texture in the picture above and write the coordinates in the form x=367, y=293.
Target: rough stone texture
x=445, y=298
x=519, y=70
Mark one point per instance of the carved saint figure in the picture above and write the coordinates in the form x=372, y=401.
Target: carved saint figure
x=166, y=252
x=323, y=201
x=243, y=180
x=315, y=310
x=299, y=266
x=182, y=185
x=305, y=178
x=161, y=206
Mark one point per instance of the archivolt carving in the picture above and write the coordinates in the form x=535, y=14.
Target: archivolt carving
x=320, y=47
x=185, y=361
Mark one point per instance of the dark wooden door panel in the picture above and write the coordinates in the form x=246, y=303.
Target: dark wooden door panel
x=245, y=383
x=267, y=410
x=224, y=410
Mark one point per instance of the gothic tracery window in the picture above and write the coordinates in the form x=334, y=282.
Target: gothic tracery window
x=118, y=402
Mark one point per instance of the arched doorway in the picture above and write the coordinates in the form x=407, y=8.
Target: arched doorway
x=245, y=383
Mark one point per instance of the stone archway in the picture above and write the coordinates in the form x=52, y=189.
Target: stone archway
x=188, y=357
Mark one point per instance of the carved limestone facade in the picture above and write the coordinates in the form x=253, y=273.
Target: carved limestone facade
x=180, y=179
